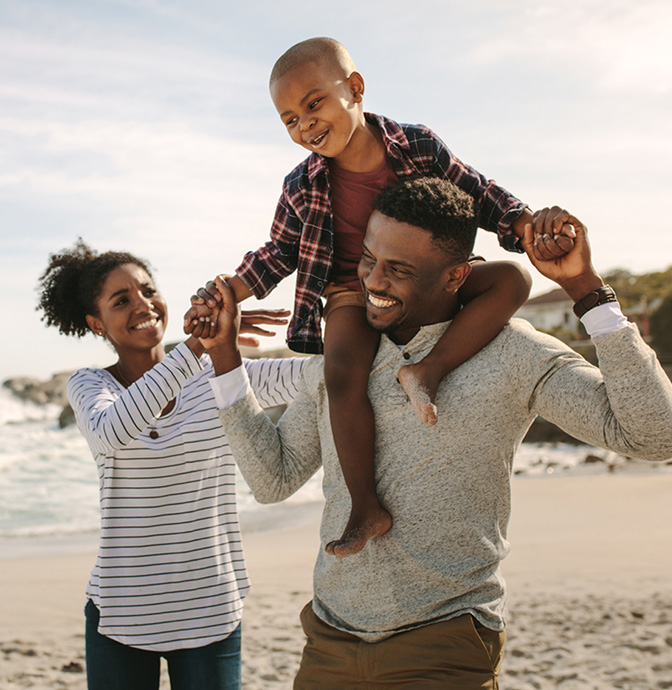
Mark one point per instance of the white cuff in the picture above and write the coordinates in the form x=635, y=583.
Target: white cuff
x=230, y=387
x=603, y=319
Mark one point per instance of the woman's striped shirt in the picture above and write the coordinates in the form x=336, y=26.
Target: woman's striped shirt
x=170, y=572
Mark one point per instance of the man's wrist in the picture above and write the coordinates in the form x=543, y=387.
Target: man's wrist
x=225, y=358
x=601, y=295
x=195, y=345
x=579, y=286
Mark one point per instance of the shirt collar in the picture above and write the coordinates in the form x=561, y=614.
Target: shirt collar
x=424, y=339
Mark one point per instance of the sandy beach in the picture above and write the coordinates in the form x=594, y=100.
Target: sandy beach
x=590, y=594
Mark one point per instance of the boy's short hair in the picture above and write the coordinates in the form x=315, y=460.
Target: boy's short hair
x=437, y=206
x=320, y=49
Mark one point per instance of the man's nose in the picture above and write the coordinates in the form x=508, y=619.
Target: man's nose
x=374, y=278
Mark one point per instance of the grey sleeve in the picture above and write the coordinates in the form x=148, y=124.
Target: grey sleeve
x=625, y=405
x=274, y=461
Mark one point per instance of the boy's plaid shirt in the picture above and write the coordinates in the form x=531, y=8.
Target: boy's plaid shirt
x=302, y=234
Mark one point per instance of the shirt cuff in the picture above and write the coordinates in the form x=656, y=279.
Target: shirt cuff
x=230, y=387
x=603, y=319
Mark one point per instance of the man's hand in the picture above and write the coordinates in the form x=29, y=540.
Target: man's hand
x=558, y=233
x=573, y=271
x=223, y=345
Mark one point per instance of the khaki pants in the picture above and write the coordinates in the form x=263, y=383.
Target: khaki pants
x=458, y=654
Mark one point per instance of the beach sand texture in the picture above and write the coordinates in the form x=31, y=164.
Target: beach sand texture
x=590, y=595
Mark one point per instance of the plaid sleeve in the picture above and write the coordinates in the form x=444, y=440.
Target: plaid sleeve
x=497, y=207
x=264, y=268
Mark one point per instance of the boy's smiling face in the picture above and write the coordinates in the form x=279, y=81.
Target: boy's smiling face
x=321, y=109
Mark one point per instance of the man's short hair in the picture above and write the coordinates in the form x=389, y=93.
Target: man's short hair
x=437, y=206
x=322, y=50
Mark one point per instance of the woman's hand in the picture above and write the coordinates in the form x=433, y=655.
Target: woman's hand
x=250, y=321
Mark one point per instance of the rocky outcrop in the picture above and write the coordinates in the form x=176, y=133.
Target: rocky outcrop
x=40, y=392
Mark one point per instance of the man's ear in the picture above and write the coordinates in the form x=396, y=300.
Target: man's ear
x=356, y=82
x=95, y=324
x=456, y=275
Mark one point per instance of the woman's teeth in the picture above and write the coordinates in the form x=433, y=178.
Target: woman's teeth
x=145, y=324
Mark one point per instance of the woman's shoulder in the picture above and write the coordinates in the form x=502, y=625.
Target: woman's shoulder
x=89, y=374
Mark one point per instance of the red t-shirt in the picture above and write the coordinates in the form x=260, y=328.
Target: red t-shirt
x=352, y=198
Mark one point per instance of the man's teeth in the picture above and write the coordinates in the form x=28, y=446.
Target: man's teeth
x=380, y=302
x=317, y=140
x=145, y=324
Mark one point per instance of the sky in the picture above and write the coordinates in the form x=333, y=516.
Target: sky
x=146, y=126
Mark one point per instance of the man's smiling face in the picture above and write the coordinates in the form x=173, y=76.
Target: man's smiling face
x=407, y=279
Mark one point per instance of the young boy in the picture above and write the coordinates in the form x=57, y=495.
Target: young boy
x=318, y=229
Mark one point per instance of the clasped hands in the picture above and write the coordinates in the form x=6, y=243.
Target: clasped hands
x=214, y=316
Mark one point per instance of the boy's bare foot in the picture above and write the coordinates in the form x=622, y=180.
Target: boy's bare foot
x=362, y=526
x=420, y=391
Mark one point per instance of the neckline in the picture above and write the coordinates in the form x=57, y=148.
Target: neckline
x=161, y=417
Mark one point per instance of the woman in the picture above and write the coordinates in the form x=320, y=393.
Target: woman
x=170, y=576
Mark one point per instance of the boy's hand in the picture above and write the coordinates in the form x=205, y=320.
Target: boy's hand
x=210, y=295
x=553, y=233
x=203, y=308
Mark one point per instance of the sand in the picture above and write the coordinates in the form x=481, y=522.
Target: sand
x=590, y=594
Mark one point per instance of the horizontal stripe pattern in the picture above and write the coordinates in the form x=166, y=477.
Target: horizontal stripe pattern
x=170, y=571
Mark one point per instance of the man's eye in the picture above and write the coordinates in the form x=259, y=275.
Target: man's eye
x=401, y=272
x=312, y=104
x=290, y=122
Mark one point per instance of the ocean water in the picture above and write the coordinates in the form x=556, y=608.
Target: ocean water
x=49, y=484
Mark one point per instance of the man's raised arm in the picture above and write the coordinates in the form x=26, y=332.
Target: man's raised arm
x=626, y=406
x=275, y=461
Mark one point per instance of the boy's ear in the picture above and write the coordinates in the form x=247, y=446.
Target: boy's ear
x=456, y=275
x=356, y=81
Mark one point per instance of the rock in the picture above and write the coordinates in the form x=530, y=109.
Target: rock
x=592, y=459
x=40, y=392
x=67, y=417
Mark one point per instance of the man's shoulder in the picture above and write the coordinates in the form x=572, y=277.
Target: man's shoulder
x=519, y=334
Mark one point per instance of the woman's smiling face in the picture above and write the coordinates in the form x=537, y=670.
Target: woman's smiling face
x=132, y=312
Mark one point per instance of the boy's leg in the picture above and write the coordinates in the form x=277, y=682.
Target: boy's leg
x=111, y=665
x=350, y=346
x=213, y=667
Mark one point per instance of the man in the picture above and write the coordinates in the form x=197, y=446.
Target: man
x=422, y=606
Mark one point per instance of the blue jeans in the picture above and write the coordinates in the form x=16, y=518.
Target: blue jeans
x=111, y=665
